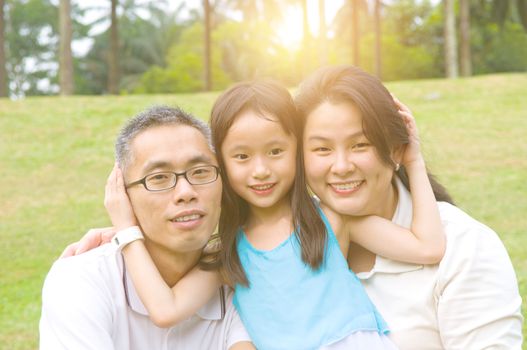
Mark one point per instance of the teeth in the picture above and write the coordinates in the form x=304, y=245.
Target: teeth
x=187, y=218
x=347, y=186
x=263, y=187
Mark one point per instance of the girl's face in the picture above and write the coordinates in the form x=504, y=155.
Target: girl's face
x=259, y=158
x=342, y=167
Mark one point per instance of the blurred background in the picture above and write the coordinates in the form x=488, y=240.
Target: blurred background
x=94, y=47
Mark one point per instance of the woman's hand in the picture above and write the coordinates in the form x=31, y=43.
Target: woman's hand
x=412, y=152
x=117, y=202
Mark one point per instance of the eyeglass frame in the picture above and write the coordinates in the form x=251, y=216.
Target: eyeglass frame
x=183, y=173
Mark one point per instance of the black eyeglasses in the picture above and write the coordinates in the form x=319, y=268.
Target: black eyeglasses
x=165, y=180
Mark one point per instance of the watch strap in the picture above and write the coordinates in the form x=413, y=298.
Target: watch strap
x=124, y=237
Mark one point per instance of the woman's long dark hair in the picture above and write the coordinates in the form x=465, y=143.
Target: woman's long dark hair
x=271, y=98
x=381, y=123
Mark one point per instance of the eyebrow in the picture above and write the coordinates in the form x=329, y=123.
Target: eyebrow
x=197, y=159
x=326, y=138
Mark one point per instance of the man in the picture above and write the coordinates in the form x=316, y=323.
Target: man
x=89, y=301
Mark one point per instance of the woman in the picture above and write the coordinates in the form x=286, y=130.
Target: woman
x=468, y=301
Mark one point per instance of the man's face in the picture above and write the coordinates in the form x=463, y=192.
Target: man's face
x=181, y=219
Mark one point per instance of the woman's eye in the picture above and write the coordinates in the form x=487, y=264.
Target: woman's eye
x=360, y=145
x=321, y=149
x=275, y=151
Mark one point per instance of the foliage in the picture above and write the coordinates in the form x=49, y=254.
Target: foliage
x=144, y=42
x=161, y=48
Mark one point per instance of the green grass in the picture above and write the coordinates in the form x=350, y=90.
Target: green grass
x=55, y=155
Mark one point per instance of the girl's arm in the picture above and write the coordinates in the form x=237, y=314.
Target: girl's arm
x=425, y=242
x=166, y=306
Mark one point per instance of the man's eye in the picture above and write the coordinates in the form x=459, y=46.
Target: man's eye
x=158, y=177
x=201, y=172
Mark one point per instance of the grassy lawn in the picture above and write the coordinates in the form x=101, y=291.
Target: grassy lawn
x=55, y=155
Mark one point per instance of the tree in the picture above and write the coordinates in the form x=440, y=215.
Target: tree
x=501, y=8
x=451, y=66
x=113, y=54
x=355, y=34
x=464, y=28
x=322, y=33
x=377, y=24
x=207, y=44
x=65, y=55
x=4, y=92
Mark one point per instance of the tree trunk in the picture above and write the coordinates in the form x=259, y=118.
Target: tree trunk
x=306, y=40
x=207, y=53
x=355, y=34
x=464, y=27
x=451, y=66
x=322, y=33
x=65, y=55
x=113, y=56
x=378, y=55
x=4, y=91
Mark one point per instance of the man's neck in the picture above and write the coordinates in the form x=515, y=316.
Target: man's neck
x=172, y=266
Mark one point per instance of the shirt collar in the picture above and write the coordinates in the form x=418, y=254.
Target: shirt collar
x=214, y=309
x=402, y=217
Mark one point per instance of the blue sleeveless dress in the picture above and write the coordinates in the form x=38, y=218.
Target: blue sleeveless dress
x=290, y=306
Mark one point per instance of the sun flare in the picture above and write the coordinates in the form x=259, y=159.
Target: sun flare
x=290, y=31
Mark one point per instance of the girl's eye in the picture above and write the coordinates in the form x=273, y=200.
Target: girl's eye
x=241, y=156
x=276, y=151
x=321, y=149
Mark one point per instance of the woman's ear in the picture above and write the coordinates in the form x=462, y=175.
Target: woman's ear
x=397, y=156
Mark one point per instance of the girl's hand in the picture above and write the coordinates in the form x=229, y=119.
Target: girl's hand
x=117, y=202
x=91, y=239
x=412, y=152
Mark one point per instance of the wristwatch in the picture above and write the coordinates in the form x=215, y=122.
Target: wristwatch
x=127, y=236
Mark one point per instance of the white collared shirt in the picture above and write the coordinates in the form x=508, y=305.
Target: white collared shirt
x=468, y=301
x=89, y=302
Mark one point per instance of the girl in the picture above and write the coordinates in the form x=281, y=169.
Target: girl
x=285, y=259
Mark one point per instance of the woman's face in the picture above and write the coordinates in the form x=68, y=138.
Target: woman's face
x=342, y=167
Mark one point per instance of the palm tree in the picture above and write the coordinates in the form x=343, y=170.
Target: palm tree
x=207, y=53
x=449, y=19
x=464, y=28
x=113, y=55
x=3, y=71
x=500, y=11
x=65, y=55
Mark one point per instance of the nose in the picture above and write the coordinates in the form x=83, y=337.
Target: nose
x=260, y=169
x=342, y=163
x=184, y=192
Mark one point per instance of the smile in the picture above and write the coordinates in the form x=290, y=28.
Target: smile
x=346, y=186
x=262, y=187
x=187, y=218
